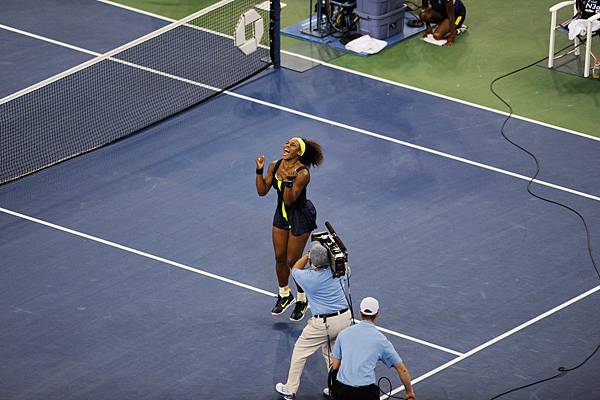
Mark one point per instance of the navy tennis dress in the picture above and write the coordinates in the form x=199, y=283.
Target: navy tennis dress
x=300, y=217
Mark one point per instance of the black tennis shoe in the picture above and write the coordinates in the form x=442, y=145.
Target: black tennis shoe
x=415, y=23
x=299, y=311
x=282, y=304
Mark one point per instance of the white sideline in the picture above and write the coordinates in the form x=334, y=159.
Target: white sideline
x=191, y=269
x=295, y=112
x=414, y=339
x=497, y=339
x=383, y=80
x=49, y=40
x=414, y=146
x=113, y=52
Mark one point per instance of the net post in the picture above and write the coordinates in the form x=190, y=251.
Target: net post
x=275, y=32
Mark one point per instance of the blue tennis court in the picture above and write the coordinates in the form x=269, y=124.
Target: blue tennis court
x=144, y=269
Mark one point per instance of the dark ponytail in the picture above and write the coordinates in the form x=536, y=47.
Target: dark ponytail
x=313, y=154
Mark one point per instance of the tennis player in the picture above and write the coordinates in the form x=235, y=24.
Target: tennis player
x=295, y=216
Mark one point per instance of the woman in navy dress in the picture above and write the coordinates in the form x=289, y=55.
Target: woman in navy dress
x=295, y=216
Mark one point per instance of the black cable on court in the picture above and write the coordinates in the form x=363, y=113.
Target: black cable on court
x=561, y=370
x=332, y=375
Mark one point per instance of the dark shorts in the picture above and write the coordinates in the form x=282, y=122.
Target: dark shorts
x=460, y=18
x=345, y=392
x=460, y=13
x=300, y=220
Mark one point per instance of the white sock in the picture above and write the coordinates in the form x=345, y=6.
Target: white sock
x=284, y=291
x=301, y=297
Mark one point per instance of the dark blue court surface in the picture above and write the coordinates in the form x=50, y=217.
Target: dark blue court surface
x=26, y=61
x=88, y=24
x=115, y=300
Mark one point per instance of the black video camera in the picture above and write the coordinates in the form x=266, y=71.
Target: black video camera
x=338, y=254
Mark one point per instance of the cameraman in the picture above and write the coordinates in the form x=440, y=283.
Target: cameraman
x=330, y=314
x=356, y=352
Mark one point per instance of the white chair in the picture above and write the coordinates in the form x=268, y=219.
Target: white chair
x=577, y=10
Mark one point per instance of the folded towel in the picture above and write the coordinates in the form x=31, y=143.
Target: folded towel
x=366, y=44
x=579, y=27
x=429, y=39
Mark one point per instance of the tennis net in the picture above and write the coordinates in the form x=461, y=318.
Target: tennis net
x=136, y=85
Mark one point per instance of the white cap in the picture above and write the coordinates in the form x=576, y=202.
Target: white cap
x=369, y=306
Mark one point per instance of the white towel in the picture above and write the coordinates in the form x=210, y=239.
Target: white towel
x=366, y=44
x=429, y=39
x=579, y=27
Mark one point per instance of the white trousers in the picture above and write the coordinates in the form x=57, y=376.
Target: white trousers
x=314, y=335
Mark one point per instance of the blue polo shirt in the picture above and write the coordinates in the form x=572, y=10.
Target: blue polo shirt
x=324, y=292
x=359, y=347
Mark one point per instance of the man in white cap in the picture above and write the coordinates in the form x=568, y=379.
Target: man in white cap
x=330, y=314
x=355, y=354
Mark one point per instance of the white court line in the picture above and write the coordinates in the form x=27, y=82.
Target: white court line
x=414, y=339
x=413, y=146
x=109, y=54
x=497, y=339
x=383, y=80
x=308, y=116
x=49, y=40
x=25, y=33
x=191, y=269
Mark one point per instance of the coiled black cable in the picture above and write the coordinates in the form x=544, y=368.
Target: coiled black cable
x=561, y=370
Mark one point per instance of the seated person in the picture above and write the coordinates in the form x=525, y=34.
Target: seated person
x=448, y=15
x=577, y=26
x=587, y=8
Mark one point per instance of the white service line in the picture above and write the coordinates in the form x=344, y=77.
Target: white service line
x=310, y=116
x=130, y=64
x=383, y=80
x=498, y=338
x=49, y=40
x=112, y=52
x=189, y=268
x=414, y=339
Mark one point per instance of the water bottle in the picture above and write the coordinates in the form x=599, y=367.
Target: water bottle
x=596, y=70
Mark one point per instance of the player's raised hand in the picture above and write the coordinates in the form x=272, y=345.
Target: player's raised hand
x=260, y=162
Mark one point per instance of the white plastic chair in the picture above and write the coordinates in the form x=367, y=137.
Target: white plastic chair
x=588, y=41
